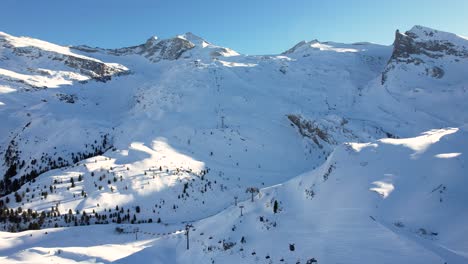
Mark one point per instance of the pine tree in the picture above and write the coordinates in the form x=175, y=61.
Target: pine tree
x=275, y=207
x=18, y=197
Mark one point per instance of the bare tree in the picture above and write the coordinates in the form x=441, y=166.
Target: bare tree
x=252, y=191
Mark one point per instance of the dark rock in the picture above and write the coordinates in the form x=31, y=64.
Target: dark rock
x=414, y=46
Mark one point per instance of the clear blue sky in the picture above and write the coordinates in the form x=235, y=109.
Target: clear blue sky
x=248, y=26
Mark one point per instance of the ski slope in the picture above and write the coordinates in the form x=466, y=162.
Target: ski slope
x=361, y=145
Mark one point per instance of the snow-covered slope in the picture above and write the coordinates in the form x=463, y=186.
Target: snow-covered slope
x=388, y=200
x=191, y=126
x=39, y=64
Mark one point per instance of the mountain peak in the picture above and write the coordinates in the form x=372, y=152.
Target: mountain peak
x=422, y=46
x=430, y=42
x=153, y=38
x=422, y=33
x=193, y=38
x=172, y=48
x=301, y=46
x=422, y=29
x=165, y=49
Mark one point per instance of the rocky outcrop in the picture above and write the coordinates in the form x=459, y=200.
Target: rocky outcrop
x=422, y=44
x=97, y=70
x=310, y=129
x=153, y=49
x=156, y=50
x=411, y=43
x=168, y=49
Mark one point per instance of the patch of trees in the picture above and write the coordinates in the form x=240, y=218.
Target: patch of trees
x=12, y=182
x=20, y=220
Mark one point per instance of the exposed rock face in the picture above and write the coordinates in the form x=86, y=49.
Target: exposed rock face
x=310, y=130
x=435, y=72
x=67, y=98
x=153, y=49
x=420, y=44
x=411, y=43
x=183, y=46
x=332, y=129
x=168, y=49
x=98, y=71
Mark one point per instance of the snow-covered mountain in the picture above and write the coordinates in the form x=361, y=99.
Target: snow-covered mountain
x=187, y=45
x=328, y=152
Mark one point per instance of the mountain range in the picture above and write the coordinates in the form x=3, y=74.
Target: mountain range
x=181, y=151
